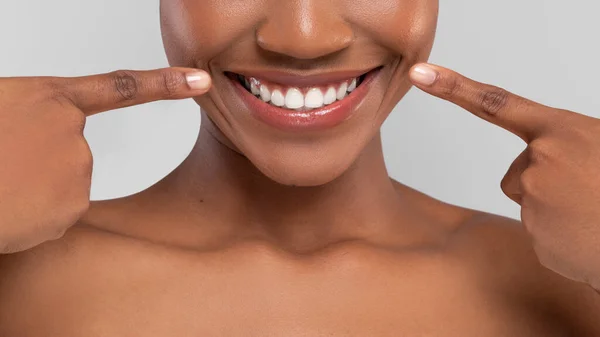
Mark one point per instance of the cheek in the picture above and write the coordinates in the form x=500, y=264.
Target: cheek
x=406, y=27
x=195, y=31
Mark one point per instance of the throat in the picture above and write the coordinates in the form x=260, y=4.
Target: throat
x=229, y=198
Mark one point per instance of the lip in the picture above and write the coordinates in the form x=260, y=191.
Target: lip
x=311, y=120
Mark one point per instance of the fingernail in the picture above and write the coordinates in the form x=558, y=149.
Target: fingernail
x=198, y=81
x=423, y=75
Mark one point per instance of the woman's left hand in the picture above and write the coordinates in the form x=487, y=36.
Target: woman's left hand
x=556, y=180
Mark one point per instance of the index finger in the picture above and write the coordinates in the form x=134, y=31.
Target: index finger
x=521, y=116
x=124, y=88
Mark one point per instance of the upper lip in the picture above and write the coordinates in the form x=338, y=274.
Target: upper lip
x=300, y=80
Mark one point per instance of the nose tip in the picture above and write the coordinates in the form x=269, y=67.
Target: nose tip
x=307, y=35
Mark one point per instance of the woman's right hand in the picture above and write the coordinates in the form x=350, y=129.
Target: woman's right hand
x=45, y=161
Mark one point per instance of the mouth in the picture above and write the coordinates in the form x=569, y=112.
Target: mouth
x=297, y=103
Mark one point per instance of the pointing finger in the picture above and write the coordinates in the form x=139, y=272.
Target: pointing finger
x=124, y=88
x=525, y=118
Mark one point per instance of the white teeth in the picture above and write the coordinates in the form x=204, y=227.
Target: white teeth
x=314, y=99
x=341, y=93
x=352, y=86
x=330, y=96
x=294, y=99
x=277, y=98
x=265, y=94
x=254, y=89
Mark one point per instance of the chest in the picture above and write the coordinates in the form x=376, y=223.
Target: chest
x=259, y=294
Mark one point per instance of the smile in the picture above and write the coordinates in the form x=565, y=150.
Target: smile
x=294, y=103
x=300, y=99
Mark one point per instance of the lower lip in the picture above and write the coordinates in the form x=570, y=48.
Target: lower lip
x=311, y=120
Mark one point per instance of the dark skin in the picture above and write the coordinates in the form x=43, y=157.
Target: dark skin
x=261, y=232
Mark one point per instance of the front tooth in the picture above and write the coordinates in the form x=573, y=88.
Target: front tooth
x=247, y=83
x=330, y=96
x=294, y=99
x=341, y=93
x=265, y=94
x=254, y=89
x=314, y=98
x=277, y=98
x=352, y=86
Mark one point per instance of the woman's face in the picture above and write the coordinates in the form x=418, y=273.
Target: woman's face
x=303, y=125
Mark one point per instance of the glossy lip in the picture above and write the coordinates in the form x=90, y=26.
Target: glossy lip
x=310, y=120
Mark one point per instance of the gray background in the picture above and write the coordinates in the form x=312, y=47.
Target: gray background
x=545, y=50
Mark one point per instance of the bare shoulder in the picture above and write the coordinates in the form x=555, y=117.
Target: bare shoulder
x=56, y=266
x=503, y=250
x=500, y=255
x=53, y=260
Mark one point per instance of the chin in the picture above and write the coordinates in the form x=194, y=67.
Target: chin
x=302, y=167
x=302, y=176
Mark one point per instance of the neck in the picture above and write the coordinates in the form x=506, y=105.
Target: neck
x=232, y=193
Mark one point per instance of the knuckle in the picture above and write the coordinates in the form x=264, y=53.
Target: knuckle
x=7, y=248
x=81, y=121
x=450, y=87
x=82, y=208
x=4, y=248
x=53, y=85
x=493, y=100
x=69, y=119
x=79, y=162
x=55, y=90
x=58, y=233
x=541, y=151
x=510, y=190
x=528, y=183
x=125, y=84
x=171, y=83
x=11, y=245
x=77, y=120
x=85, y=160
x=75, y=212
x=505, y=184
